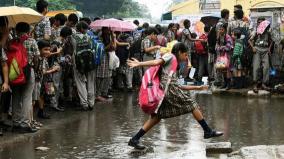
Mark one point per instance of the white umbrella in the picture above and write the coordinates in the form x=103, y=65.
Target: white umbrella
x=20, y=14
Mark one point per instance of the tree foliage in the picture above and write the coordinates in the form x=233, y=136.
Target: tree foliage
x=93, y=8
x=113, y=8
x=53, y=4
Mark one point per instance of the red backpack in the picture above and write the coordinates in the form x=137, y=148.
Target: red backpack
x=200, y=47
x=151, y=95
x=19, y=69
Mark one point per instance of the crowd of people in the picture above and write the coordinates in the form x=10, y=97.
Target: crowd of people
x=60, y=70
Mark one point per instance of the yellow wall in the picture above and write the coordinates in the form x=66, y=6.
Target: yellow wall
x=192, y=6
x=188, y=7
x=247, y=4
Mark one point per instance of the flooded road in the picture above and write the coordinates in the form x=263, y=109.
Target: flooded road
x=104, y=132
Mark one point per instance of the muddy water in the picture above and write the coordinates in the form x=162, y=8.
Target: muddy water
x=104, y=132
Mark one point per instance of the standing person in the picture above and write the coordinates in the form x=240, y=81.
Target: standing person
x=225, y=14
x=60, y=20
x=212, y=39
x=149, y=47
x=22, y=93
x=176, y=101
x=4, y=80
x=171, y=32
x=72, y=21
x=187, y=38
x=44, y=88
x=202, y=53
x=124, y=72
x=104, y=73
x=161, y=39
x=23, y=29
x=84, y=80
x=261, y=44
x=223, y=48
x=67, y=67
x=236, y=59
x=43, y=28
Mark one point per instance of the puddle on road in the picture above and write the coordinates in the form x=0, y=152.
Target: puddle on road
x=104, y=133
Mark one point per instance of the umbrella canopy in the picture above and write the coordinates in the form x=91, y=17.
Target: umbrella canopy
x=113, y=24
x=20, y=14
x=262, y=27
x=211, y=19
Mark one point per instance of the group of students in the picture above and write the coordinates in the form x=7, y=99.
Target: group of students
x=93, y=62
x=230, y=52
x=53, y=64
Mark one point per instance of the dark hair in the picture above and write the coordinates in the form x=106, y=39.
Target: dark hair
x=4, y=21
x=52, y=20
x=87, y=20
x=237, y=33
x=207, y=28
x=186, y=22
x=82, y=25
x=42, y=44
x=179, y=47
x=136, y=22
x=145, y=25
x=225, y=25
x=171, y=25
x=193, y=35
x=224, y=13
x=238, y=6
x=159, y=28
x=261, y=19
x=66, y=31
x=73, y=18
x=41, y=5
x=97, y=18
x=177, y=25
x=3, y=24
x=61, y=18
x=23, y=27
x=151, y=30
x=239, y=14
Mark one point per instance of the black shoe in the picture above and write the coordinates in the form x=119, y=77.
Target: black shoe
x=91, y=108
x=1, y=132
x=26, y=129
x=83, y=108
x=211, y=134
x=135, y=144
x=59, y=109
x=43, y=115
x=130, y=90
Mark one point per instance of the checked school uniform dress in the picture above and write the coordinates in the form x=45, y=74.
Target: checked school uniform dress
x=176, y=101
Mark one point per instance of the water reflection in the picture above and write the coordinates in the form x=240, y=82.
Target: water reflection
x=104, y=132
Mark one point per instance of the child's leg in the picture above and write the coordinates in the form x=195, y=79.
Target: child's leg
x=150, y=123
x=208, y=132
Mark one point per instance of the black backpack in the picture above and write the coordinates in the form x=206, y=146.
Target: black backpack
x=135, y=49
x=84, y=55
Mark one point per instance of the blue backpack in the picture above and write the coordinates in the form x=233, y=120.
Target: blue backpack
x=98, y=47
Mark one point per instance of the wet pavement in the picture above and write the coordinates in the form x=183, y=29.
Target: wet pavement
x=104, y=132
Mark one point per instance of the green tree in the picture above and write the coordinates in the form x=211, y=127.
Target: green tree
x=111, y=8
x=53, y=4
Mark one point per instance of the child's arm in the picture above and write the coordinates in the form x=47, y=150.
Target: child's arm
x=188, y=88
x=135, y=63
x=52, y=70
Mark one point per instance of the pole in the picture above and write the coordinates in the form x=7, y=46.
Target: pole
x=14, y=2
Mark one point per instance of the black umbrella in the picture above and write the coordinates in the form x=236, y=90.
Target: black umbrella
x=210, y=20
